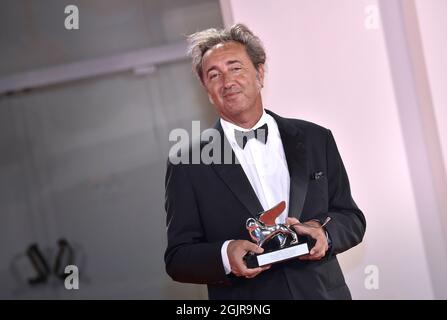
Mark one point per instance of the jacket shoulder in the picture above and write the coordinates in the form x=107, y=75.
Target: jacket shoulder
x=303, y=125
x=309, y=128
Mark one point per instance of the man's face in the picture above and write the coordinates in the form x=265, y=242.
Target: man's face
x=232, y=82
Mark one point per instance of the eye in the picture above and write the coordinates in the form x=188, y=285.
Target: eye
x=213, y=75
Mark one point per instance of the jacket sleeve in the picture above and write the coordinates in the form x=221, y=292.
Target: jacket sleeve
x=347, y=226
x=188, y=257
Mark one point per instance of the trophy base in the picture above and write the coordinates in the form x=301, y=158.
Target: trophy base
x=258, y=260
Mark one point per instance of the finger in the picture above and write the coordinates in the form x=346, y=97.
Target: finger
x=317, y=252
x=252, y=276
x=304, y=230
x=251, y=247
x=236, y=255
x=308, y=257
x=317, y=255
x=260, y=269
x=319, y=247
x=251, y=272
x=266, y=267
x=292, y=220
x=255, y=271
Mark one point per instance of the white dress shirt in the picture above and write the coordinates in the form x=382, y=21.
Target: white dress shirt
x=264, y=165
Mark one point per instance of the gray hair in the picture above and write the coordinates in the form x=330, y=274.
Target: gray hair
x=200, y=42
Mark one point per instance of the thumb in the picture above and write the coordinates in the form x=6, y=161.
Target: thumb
x=292, y=220
x=302, y=230
x=254, y=248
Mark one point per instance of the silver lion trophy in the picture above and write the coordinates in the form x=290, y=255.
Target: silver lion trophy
x=279, y=240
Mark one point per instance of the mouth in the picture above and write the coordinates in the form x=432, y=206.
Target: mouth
x=231, y=94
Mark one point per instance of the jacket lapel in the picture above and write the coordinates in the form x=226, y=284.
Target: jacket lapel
x=293, y=141
x=234, y=177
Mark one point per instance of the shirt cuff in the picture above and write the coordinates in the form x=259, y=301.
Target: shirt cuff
x=225, y=260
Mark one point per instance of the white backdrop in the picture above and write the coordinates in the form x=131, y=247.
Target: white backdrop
x=327, y=62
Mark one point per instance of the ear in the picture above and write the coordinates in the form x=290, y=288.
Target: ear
x=260, y=75
x=210, y=99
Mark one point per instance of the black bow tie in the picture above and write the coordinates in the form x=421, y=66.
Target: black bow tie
x=260, y=133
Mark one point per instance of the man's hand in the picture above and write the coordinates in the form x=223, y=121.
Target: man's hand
x=313, y=229
x=236, y=251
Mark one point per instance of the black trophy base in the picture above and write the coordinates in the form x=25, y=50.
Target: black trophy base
x=271, y=256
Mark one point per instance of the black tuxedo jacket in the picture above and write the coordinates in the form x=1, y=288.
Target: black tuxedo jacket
x=209, y=204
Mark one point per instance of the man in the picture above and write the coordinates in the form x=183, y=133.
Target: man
x=297, y=161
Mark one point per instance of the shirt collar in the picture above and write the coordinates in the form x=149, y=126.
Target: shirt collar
x=229, y=127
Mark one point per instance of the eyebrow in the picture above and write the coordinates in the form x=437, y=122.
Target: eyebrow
x=226, y=63
x=233, y=61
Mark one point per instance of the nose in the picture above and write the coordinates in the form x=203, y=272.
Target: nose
x=228, y=80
